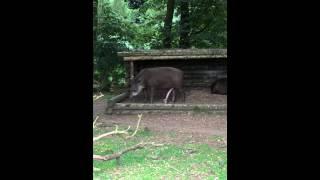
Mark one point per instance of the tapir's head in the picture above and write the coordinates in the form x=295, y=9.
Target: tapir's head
x=136, y=86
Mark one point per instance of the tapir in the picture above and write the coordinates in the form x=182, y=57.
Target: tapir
x=151, y=79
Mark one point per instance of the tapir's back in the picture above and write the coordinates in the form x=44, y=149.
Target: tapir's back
x=164, y=77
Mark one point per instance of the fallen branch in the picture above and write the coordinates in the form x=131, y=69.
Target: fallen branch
x=116, y=131
x=97, y=97
x=94, y=122
x=118, y=154
x=138, y=124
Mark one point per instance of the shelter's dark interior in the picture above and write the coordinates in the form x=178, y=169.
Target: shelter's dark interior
x=198, y=72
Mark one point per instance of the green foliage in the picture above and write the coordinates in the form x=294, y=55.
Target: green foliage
x=209, y=29
x=107, y=67
x=111, y=37
x=118, y=27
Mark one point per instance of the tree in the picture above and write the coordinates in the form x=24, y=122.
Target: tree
x=95, y=21
x=208, y=30
x=184, y=41
x=120, y=25
x=111, y=37
x=168, y=24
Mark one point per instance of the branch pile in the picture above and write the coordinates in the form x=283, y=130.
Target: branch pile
x=117, y=155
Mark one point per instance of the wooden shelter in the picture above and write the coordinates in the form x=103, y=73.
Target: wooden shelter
x=201, y=67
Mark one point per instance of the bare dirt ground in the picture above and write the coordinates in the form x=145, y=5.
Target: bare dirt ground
x=176, y=128
x=193, y=96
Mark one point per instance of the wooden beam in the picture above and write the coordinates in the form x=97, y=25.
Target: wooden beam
x=141, y=58
x=171, y=107
x=174, y=52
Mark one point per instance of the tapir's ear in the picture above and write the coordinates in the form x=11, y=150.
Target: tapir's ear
x=140, y=79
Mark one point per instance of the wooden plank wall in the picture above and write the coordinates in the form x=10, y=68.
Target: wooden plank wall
x=198, y=72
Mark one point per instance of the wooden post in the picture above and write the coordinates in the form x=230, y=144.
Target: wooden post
x=127, y=66
x=131, y=70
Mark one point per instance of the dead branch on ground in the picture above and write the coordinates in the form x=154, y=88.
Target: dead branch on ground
x=117, y=155
x=96, y=97
x=94, y=122
x=140, y=145
x=117, y=132
x=137, y=127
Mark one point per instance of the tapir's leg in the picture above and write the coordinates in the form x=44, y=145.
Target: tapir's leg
x=173, y=95
x=151, y=94
x=145, y=92
x=213, y=88
x=133, y=99
x=183, y=94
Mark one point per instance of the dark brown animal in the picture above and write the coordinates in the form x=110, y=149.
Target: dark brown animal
x=219, y=86
x=150, y=79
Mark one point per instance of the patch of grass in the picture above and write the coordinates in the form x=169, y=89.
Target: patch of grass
x=172, y=134
x=144, y=133
x=187, y=161
x=97, y=131
x=197, y=110
x=216, y=138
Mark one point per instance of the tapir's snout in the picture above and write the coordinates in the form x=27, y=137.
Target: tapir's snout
x=133, y=94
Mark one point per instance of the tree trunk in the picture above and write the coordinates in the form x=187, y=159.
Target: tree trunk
x=184, y=24
x=168, y=24
x=95, y=21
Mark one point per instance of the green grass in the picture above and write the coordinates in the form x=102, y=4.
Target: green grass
x=216, y=138
x=186, y=161
x=200, y=110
